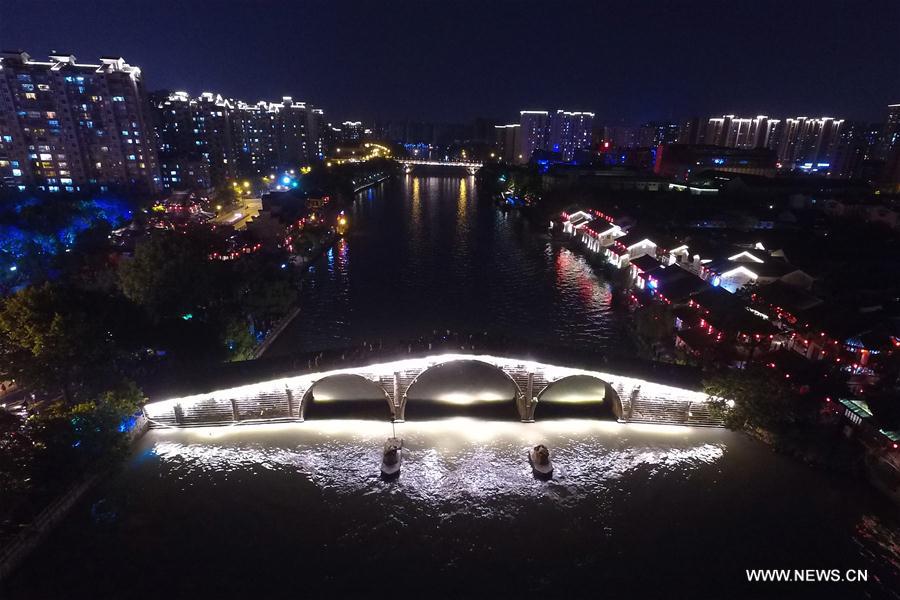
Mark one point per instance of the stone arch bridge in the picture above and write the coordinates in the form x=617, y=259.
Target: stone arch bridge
x=289, y=398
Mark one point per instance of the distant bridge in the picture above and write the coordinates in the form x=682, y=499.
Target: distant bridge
x=625, y=398
x=470, y=165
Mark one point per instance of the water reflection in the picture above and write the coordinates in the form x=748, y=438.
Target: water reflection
x=632, y=511
x=450, y=461
x=430, y=253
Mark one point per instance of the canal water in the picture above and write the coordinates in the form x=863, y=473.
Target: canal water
x=299, y=510
x=428, y=253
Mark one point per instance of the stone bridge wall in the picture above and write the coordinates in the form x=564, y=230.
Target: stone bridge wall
x=287, y=398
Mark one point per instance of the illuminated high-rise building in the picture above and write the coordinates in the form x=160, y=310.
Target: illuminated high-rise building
x=67, y=126
x=195, y=143
x=563, y=132
x=654, y=133
x=534, y=131
x=810, y=143
x=890, y=143
x=508, y=141
x=270, y=136
x=569, y=131
x=730, y=131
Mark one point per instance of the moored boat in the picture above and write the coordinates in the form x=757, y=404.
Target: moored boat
x=391, y=458
x=539, y=457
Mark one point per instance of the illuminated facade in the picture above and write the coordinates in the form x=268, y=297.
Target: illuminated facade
x=206, y=140
x=533, y=132
x=564, y=132
x=810, y=144
x=891, y=148
x=730, y=131
x=570, y=131
x=655, y=133
x=195, y=144
x=270, y=136
x=65, y=125
x=507, y=139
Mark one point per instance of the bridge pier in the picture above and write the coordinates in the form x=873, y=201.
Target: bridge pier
x=528, y=413
x=396, y=398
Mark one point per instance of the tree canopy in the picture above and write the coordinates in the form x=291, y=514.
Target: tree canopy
x=171, y=275
x=59, y=338
x=753, y=398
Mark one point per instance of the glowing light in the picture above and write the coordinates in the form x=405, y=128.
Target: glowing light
x=746, y=254
x=660, y=395
x=743, y=270
x=461, y=398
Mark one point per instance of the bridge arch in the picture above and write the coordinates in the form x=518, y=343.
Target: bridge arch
x=346, y=395
x=473, y=387
x=578, y=396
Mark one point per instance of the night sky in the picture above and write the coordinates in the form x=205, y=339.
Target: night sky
x=452, y=61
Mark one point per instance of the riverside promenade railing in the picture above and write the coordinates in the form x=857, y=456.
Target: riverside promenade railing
x=23, y=543
x=28, y=539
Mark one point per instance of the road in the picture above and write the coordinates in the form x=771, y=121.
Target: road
x=247, y=210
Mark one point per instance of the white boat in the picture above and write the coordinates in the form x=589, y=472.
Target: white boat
x=539, y=457
x=390, y=460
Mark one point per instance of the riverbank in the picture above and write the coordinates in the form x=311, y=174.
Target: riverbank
x=37, y=515
x=825, y=441
x=327, y=244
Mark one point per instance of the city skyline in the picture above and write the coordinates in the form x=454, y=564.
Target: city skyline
x=620, y=69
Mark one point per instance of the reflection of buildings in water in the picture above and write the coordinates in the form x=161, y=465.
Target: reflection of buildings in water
x=573, y=273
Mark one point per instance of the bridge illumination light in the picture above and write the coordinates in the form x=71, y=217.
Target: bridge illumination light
x=659, y=395
x=461, y=398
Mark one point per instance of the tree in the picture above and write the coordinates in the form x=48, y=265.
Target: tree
x=654, y=322
x=88, y=435
x=171, y=276
x=752, y=399
x=58, y=338
x=226, y=196
x=265, y=292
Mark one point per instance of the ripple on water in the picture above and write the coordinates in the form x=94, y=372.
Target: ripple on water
x=449, y=472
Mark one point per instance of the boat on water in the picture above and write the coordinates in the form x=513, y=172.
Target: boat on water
x=391, y=458
x=539, y=457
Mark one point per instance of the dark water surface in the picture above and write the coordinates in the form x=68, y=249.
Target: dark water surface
x=426, y=253
x=299, y=511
